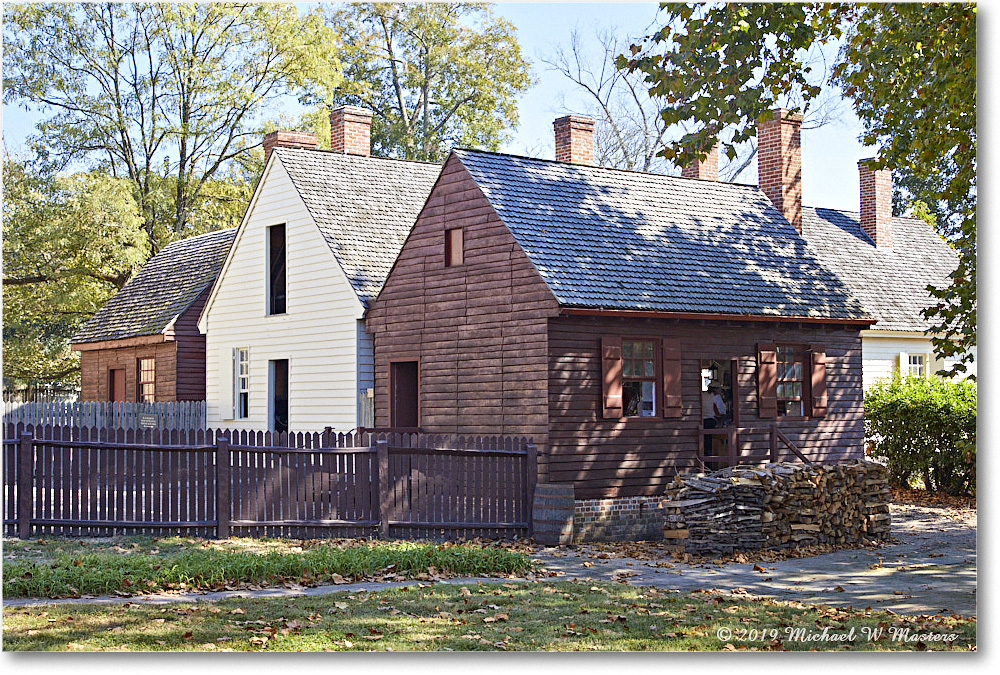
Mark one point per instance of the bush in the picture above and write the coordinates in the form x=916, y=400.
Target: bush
x=924, y=429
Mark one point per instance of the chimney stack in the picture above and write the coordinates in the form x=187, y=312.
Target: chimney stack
x=351, y=130
x=876, y=204
x=574, y=139
x=707, y=169
x=288, y=139
x=779, y=163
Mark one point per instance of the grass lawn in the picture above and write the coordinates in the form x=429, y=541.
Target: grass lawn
x=63, y=567
x=559, y=616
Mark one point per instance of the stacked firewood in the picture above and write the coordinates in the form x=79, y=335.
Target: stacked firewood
x=782, y=505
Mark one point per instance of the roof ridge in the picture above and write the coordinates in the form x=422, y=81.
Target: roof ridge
x=360, y=157
x=605, y=168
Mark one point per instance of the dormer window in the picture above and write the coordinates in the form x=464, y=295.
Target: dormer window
x=454, y=245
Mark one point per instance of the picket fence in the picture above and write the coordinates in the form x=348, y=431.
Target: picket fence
x=181, y=415
x=84, y=481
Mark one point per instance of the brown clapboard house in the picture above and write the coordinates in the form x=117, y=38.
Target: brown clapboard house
x=605, y=313
x=144, y=344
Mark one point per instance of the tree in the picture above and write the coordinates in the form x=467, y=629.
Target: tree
x=70, y=242
x=435, y=74
x=908, y=69
x=166, y=96
x=630, y=133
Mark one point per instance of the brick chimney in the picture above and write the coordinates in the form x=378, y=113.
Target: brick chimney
x=876, y=204
x=351, y=130
x=574, y=139
x=288, y=139
x=779, y=163
x=707, y=169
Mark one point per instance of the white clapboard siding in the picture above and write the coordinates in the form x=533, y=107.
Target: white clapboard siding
x=317, y=334
x=880, y=353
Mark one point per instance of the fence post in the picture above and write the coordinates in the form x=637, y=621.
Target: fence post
x=25, y=487
x=774, y=443
x=532, y=479
x=384, y=496
x=222, y=501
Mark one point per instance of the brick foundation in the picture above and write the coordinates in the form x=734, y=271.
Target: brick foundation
x=618, y=519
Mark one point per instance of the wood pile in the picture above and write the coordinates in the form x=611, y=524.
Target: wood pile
x=776, y=506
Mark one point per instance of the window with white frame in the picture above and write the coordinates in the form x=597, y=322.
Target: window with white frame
x=241, y=383
x=916, y=365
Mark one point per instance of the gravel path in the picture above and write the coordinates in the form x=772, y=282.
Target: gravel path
x=931, y=570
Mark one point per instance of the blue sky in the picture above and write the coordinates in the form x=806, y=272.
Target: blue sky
x=829, y=154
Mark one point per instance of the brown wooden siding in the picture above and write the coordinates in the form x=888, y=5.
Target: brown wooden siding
x=190, y=352
x=607, y=458
x=95, y=365
x=478, y=329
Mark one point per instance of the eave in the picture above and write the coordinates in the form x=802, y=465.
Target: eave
x=711, y=316
x=118, y=344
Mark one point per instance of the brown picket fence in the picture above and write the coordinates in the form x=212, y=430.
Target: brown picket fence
x=104, y=482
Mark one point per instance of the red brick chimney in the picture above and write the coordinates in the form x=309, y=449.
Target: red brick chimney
x=574, y=139
x=351, y=130
x=288, y=139
x=779, y=163
x=876, y=204
x=707, y=169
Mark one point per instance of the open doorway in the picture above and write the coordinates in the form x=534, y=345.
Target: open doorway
x=279, y=394
x=718, y=412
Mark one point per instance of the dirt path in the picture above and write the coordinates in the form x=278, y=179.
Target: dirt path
x=931, y=570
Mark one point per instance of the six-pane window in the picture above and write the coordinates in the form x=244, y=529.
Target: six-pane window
x=241, y=379
x=790, y=378
x=147, y=380
x=917, y=365
x=638, y=378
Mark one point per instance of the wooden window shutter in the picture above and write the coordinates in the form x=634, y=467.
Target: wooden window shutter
x=767, y=380
x=817, y=388
x=671, y=357
x=611, y=366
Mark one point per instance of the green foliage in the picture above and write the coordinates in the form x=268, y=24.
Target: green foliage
x=167, y=96
x=436, y=75
x=74, y=573
x=926, y=429
x=70, y=242
x=909, y=69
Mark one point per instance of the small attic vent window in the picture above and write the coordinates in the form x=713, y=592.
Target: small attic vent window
x=454, y=245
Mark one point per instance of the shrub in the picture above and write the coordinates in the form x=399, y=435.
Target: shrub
x=924, y=429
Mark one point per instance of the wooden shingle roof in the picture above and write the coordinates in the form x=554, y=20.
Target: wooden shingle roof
x=161, y=290
x=625, y=240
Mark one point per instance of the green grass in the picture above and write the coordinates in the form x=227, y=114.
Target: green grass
x=55, y=568
x=566, y=616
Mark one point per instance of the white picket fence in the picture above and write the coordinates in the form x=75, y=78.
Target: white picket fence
x=180, y=415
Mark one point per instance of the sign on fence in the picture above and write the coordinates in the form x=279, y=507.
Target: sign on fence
x=180, y=415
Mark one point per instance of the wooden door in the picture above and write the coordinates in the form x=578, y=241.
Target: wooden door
x=116, y=384
x=404, y=395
